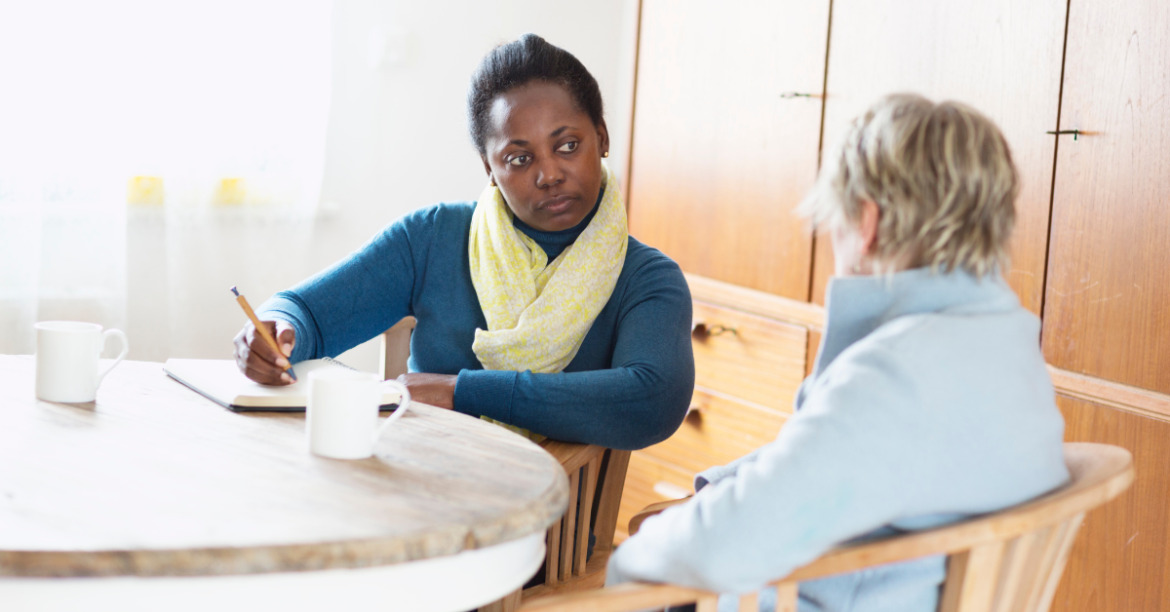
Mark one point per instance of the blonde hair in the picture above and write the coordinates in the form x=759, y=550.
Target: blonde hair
x=941, y=175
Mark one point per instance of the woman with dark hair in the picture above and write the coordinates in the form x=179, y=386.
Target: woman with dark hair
x=534, y=306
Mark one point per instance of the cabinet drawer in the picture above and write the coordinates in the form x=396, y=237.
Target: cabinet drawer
x=743, y=355
x=649, y=481
x=718, y=430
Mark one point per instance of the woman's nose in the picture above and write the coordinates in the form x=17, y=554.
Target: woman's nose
x=549, y=174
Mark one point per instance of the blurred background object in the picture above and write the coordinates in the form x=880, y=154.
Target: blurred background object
x=154, y=154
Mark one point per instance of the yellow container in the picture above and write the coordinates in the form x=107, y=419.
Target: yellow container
x=145, y=191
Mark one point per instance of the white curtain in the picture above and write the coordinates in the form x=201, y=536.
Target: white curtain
x=152, y=154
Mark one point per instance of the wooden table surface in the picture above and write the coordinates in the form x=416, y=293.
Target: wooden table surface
x=154, y=480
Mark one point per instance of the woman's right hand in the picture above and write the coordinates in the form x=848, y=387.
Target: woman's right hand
x=257, y=360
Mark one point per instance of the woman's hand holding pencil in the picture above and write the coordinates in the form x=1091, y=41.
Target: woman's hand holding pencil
x=257, y=354
x=260, y=362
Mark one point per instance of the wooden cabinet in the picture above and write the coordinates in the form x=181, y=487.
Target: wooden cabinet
x=748, y=365
x=1107, y=304
x=999, y=56
x=722, y=152
x=1108, y=308
x=649, y=481
x=727, y=120
x=719, y=429
x=720, y=158
x=1120, y=561
x=750, y=356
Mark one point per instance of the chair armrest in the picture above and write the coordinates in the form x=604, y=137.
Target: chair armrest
x=570, y=455
x=620, y=598
x=651, y=510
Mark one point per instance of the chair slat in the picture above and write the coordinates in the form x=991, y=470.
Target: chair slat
x=749, y=602
x=972, y=577
x=1046, y=561
x=956, y=566
x=568, y=524
x=707, y=604
x=589, y=472
x=1016, y=569
x=1034, y=570
x=611, y=495
x=786, y=596
x=1053, y=579
x=510, y=603
x=552, y=559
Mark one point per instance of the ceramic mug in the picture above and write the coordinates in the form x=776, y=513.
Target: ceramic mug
x=341, y=418
x=67, y=359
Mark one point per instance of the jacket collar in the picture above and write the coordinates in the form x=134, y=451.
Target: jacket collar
x=855, y=306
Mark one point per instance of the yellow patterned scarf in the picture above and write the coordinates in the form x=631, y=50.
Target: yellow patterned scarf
x=539, y=312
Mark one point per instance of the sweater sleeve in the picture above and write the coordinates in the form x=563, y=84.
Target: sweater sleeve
x=640, y=400
x=353, y=300
x=836, y=471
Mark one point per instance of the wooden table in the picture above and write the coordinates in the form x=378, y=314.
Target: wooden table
x=153, y=497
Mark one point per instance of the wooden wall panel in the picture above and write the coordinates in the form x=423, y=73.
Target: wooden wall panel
x=1120, y=562
x=720, y=158
x=1107, y=313
x=1000, y=56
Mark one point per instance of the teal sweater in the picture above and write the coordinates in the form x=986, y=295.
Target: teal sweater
x=628, y=386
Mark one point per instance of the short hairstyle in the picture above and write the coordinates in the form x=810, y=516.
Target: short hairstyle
x=526, y=59
x=941, y=175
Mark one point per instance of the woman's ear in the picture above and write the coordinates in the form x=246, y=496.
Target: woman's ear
x=602, y=138
x=487, y=168
x=867, y=228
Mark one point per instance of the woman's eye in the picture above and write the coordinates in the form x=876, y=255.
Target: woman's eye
x=568, y=147
x=519, y=160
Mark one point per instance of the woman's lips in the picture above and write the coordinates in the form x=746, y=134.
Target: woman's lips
x=556, y=205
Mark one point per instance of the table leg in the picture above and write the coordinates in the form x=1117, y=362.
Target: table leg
x=510, y=603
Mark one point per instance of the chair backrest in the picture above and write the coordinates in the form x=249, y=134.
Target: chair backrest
x=1008, y=561
x=396, y=348
x=596, y=478
x=596, y=474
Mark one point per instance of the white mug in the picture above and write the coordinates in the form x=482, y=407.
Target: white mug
x=67, y=359
x=341, y=418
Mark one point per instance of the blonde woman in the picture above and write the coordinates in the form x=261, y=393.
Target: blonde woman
x=929, y=400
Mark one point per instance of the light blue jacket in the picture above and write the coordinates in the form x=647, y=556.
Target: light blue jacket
x=930, y=402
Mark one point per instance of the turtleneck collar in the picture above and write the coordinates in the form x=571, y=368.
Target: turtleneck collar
x=855, y=306
x=554, y=243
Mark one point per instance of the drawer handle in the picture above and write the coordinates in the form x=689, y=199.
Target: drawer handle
x=700, y=330
x=670, y=490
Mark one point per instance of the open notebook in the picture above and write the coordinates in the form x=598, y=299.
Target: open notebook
x=220, y=381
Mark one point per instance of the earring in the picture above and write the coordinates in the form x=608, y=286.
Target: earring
x=492, y=181
x=606, y=154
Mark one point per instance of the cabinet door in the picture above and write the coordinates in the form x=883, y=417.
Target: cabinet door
x=721, y=155
x=1120, y=562
x=1107, y=312
x=1000, y=56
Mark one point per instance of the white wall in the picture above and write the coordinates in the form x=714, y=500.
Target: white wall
x=396, y=141
x=397, y=137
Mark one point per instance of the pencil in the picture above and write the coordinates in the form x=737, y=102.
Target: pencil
x=263, y=330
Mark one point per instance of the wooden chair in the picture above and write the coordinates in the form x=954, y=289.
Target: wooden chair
x=597, y=476
x=396, y=348
x=1008, y=561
